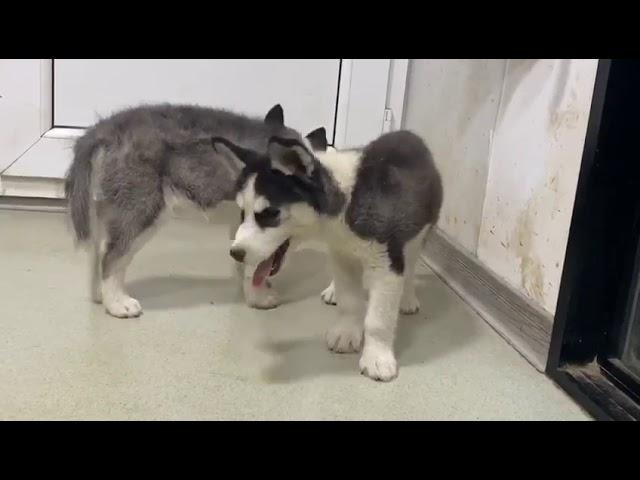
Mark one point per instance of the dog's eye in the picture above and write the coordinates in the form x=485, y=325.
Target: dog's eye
x=268, y=213
x=269, y=217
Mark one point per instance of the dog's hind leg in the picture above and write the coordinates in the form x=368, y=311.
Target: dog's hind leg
x=328, y=295
x=95, y=284
x=409, y=304
x=126, y=234
x=121, y=246
x=114, y=297
x=378, y=359
x=96, y=251
x=346, y=335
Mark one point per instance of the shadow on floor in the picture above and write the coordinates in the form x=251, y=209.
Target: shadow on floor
x=421, y=338
x=183, y=291
x=304, y=275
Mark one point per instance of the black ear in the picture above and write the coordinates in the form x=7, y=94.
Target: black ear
x=240, y=156
x=318, y=139
x=291, y=157
x=275, y=116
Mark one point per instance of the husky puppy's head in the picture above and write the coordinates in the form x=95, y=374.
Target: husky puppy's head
x=280, y=193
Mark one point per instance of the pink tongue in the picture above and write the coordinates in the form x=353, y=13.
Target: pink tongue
x=262, y=271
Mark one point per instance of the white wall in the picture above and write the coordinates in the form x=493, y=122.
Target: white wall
x=453, y=105
x=533, y=173
x=508, y=138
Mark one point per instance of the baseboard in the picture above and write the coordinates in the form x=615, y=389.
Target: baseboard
x=521, y=323
x=225, y=213
x=33, y=203
x=31, y=187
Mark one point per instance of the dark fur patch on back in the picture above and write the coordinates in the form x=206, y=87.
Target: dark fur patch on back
x=398, y=191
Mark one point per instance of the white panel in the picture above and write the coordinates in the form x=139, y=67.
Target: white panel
x=48, y=158
x=452, y=104
x=46, y=95
x=88, y=89
x=32, y=187
x=64, y=133
x=363, y=96
x=19, y=108
x=396, y=90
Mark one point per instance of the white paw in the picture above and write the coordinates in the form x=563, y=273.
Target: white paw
x=379, y=364
x=261, y=298
x=328, y=295
x=345, y=337
x=123, y=307
x=409, y=305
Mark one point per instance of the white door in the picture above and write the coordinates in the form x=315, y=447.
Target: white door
x=355, y=100
x=85, y=90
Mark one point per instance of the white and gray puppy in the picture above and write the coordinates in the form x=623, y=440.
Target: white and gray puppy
x=372, y=208
x=127, y=168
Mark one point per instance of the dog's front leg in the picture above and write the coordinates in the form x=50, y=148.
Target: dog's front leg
x=378, y=360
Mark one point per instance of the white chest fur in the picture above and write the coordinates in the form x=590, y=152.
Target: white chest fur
x=343, y=165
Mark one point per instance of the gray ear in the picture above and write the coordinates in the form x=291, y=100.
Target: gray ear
x=318, y=139
x=290, y=157
x=240, y=157
x=275, y=116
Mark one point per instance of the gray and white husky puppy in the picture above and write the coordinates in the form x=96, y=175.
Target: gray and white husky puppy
x=372, y=208
x=129, y=165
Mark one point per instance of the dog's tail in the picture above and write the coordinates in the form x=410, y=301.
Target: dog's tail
x=77, y=187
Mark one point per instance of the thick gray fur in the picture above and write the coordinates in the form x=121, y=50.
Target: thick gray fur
x=126, y=161
x=397, y=192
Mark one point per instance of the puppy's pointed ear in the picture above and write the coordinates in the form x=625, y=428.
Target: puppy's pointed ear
x=275, y=116
x=240, y=156
x=291, y=157
x=318, y=139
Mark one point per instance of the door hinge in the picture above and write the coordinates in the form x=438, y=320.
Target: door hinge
x=387, y=120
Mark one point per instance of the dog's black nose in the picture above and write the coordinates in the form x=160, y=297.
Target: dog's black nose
x=237, y=254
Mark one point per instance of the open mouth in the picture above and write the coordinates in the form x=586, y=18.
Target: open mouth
x=270, y=266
